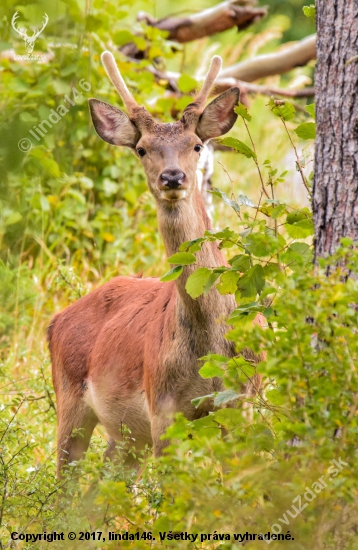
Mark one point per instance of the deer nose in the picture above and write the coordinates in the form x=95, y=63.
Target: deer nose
x=172, y=179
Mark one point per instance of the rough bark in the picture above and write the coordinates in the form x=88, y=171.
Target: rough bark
x=335, y=189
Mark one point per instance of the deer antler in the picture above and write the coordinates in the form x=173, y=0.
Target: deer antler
x=13, y=23
x=209, y=81
x=37, y=33
x=118, y=82
x=142, y=118
x=193, y=111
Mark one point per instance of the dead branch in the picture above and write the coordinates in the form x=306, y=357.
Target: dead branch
x=273, y=91
x=280, y=62
x=217, y=19
x=223, y=84
x=224, y=16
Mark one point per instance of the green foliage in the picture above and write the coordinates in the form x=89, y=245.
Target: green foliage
x=309, y=11
x=307, y=130
x=172, y=274
x=183, y=258
x=239, y=146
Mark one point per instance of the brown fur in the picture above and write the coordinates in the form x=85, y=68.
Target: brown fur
x=127, y=353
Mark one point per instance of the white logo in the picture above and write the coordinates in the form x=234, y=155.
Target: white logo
x=29, y=40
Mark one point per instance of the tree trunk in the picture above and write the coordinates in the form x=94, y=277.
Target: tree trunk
x=335, y=189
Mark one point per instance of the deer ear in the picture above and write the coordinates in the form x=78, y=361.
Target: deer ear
x=219, y=116
x=112, y=125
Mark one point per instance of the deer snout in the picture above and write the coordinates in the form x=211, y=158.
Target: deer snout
x=172, y=179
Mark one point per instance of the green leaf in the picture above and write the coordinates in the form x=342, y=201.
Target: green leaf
x=275, y=396
x=226, y=200
x=225, y=233
x=228, y=417
x=282, y=109
x=311, y=109
x=140, y=42
x=210, y=282
x=242, y=111
x=222, y=359
x=258, y=245
x=243, y=199
x=296, y=254
x=123, y=37
x=243, y=311
x=172, y=274
x=186, y=83
x=197, y=401
x=307, y=130
x=225, y=397
x=239, y=146
x=271, y=271
x=298, y=215
x=301, y=229
x=211, y=369
x=252, y=282
x=309, y=11
x=268, y=312
x=182, y=258
x=197, y=281
x=228, y=282
x=192, y=246
x=241, y=262
x=277, y=211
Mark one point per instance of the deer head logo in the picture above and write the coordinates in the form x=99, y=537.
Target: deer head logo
x=29, y=40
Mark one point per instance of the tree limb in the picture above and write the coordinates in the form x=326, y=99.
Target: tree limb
x=217, y=19
x=223, y=84
x=274, y=63
x=224, y=16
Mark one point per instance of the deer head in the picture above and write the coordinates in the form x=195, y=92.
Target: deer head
x=169, y=152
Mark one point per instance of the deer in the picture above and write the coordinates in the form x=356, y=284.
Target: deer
x=128, y=352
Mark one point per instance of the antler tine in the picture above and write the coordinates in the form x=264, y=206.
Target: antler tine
x=209, y=80
x=117, y=80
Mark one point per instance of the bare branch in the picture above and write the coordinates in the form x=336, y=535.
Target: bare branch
x=284, y=92
x=274, y=63
x=217, y=19
x=224, y=16
x=223, y=84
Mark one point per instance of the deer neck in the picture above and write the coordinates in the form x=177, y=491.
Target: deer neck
x=184, y=221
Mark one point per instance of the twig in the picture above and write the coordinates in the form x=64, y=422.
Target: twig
x=255, y=159
x=304, y=180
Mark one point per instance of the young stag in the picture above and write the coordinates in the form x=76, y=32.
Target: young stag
x=127, y=353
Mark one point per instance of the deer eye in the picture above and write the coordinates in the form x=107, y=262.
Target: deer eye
x=198, y=148
x=141, y=152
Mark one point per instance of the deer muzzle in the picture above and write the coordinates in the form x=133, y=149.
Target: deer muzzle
x=172, y=179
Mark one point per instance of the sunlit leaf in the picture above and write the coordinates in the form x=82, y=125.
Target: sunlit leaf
x=172, y=274
x=239, y=146
x=197, y=281
x=307, y=130
x=182, y=258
